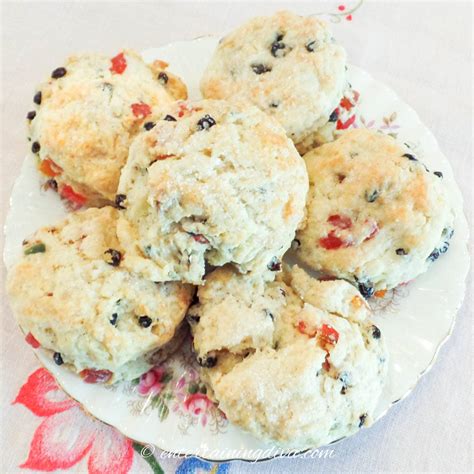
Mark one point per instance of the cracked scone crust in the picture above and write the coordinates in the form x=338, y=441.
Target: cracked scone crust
x=214, y=182
x=72, y=294
x=86, y=116
x=375, y=215
x=294, y=361
x=287, y=65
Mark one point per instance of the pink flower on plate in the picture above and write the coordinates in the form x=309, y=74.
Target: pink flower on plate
x=365, y=124
x=152, y=382
x=198, y=404
x=67, y=435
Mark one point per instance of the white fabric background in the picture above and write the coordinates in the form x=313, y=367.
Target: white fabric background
x=423, y=50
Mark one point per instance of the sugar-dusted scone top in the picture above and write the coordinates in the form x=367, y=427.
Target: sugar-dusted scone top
x=86, y=115
x=294, y=361
x=212, y=182
x=71, y=293
x=287, y=65
x=375, y=215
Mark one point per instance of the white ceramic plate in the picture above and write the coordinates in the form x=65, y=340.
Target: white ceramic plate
x=416, y=319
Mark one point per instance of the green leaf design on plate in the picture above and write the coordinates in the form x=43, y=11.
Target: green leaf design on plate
x=159, y=404
x=147, y=455
x=167, y=377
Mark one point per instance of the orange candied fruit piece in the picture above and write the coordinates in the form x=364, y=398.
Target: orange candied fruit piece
x=380, y=293
x=49, y=168
x=357, y=301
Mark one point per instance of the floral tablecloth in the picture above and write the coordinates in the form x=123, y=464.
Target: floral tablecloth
x=420, y=49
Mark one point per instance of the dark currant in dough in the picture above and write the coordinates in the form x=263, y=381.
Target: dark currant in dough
x=37, y=98
x=119, y=201
x=144, y=321
x=114, y=257
x=274, y=265
x=207, y=362
x=366, y=289
x=149, y=125
x=371, y=196
x=163, y=78
x=376, y=332
x=206, y=122
x=58, y=73
x=58, y=359
x=260, y=68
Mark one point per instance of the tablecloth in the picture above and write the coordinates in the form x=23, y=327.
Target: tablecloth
x=423, y=50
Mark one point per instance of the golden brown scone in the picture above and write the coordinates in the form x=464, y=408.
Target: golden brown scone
x=287, y=65
x=217, y=182
x=375, y=215
x=294, y=361
x=86, y=116
x=70, y=293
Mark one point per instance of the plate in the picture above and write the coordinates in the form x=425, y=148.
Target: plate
x=176, y=415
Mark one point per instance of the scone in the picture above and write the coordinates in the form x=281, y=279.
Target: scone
x=212, y=182
x=287, y=65
x=86, y=116
x=375, y=215
x=71, y=295
x=294, y=361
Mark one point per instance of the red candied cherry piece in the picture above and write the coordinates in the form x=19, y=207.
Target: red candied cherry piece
x=31, y=340
x=141, y=110
x=95, y=376
x=333, y=242
x=119, y=64
x=341, y=222
x=68, y=193
x=183, y=109
x=329, y=335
